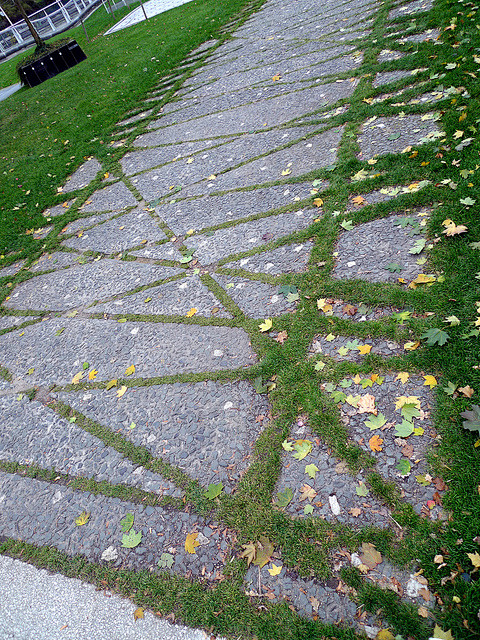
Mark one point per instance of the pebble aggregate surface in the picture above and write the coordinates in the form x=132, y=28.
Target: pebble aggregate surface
x=220, y=186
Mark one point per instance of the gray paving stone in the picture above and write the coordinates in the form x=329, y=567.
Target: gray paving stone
x=113, y=198
x=387, y=77
x=136, y=161
x=54, y=261
x=290, y=258
x=387, y=55
x=183, y=215
x=300, y=158
x=121, y=233
x=83, y=175
x=139, y=116
x=174, y=298
x=262, y=114
x=12, y=269
x=247, y=235
x=44, y=514
x=165, y=251
x=7, y=322
x=33, y=434
x=409, y=8
x=392, y=135
x=83, y=284
x=368, y=249
x=58, y=209
x=207, y=429
x=80, y=224
x=341, y=348
x=331, y=480
x=110, y=347
x=255, y=298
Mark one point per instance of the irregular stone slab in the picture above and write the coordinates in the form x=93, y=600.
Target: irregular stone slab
x=58, y=209
x=291, y=258
x=136, y=161
x=332, y=493
x=315, y=153
x=368, y=249
x=84, y=284
x=247, y=235
x=164, y=251
x=7, y=322
x=207, y=429
x=391, y=135
x=412, y=448
x=155, y=349
x=176, y=298
x=34, y=434
x=135, y=118
x=113, y=198
x=83, y=175
x=308, y=597
x=412, y=7
x=44, y=514
x=57, y=260
x=268, y=113
x=209, y=211
x=85, y=223
x=118, y=234
x=425, y=36
x=387, y=77
x=256, y=299
x=341, y=348
x=12, y=269
x=387, y=55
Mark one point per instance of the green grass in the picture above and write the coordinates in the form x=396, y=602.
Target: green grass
x=306, y=545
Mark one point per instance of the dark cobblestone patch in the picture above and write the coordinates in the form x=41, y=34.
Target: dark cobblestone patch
x=43, y=514
x=208, y=211
x=110, y=347
x=369, y=249
x=113, y=198
x=393, y=134
x=256, y=299
x=33, y=434
x=332, y=493
x=121, y=233
x=291, y=258
x=207, y=429
x=83, y=175
x=174, y=298
x=83, y=284
x=343, y=348
x=247, y=235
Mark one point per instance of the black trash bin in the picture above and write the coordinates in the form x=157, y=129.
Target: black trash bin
x=51, y=64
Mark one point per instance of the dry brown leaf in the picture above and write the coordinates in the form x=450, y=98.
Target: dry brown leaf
x=366, y=404
x=467, y=391
x=306, y=491
x=138, y=614
x=282, y=336
x=371, y=557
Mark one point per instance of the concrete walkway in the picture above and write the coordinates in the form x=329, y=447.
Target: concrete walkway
x=8, y=91
x=166, y=274
x=150, y=9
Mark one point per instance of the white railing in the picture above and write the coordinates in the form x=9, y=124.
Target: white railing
x=54, y=18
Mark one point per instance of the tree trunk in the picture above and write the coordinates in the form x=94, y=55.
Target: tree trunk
x=38, y=41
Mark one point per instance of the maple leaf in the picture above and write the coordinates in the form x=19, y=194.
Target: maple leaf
x=138, y=613
x=83, y=518
x=347, y=225
x=288, y=446
x=166, y=561
x=276, y=77
x=127, y=522
x=362, y=490
x=370, y=557
x=403, y=376
x=284, y=498
x=452, y=229
x=214, y=490
x=302, y=449
x=311, y=470
x=330, y=337
x=404, y=466
x=450, y=388
x=318, y=202
x=401, y=316
x=275, y=570
x=364, y=349
x=191, y=313
x=249, y=552
x=191, y=542
x=453, y=321
x=475, y=559
x=404, y=429
x=376, y=422
x=400, y=401
x=439, y=633
x=430, y=381
x=308, y=509
x=130, y=370
x=93, y=374
x=307, y=493
x=355, y=512
x=467, y=391
x=131, y=539
x=77, y=377
x=411, y=346
x=282, y=336
x=264, y=552
x=435, y=336
x=471, y=418
x=266, y=325
x=375, y=443
x=366, y=404
x=359, y=201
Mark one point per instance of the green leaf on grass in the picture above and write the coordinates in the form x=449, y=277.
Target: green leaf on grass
x=285, y=289
x=401, y=316
x=347, y=225
x=450, y=388
x=471, y=418
x=338, y=396
x=213, y=491
x=435, y=336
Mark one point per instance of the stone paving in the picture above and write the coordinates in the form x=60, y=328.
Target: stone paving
x=144, y=312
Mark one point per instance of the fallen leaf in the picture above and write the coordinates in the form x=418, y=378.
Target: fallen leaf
x=282, y=336
x=376, y=422
x=370, y=557
x=362, y=490
x=121, y=391
x=138, y=614
x=126, y=523
x=249, y=552
x=366, y=404
x=423, y=612
x=403, y=376
x=311, y=470
x=475, y=559
x=411, y=346
x=302, y=449
x=192, y=312
x=440, y=634
x=191, y=542
x=131, y=539
x=364, y=349
x=467, y=391
x=112, y=383
x=214, y=490
x=83, y=518
x=93, y=374
x=266, y=325
x=77, y=377
x=264, y=550
x=307, y=493
x=375, y=443
x=275, y=570
x=284, y=498
x=355, y=512
x=129, y=371
x=318, y=202
x=384, y=634
x=430, y=381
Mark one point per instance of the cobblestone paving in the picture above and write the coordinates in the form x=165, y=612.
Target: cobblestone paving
x=229, y=184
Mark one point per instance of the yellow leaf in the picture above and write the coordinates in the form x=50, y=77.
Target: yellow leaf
x=276, y=77
x=359, y=201
x=121, y=391
x=93, y=374
x=106, y=176
x=422, y=278
x=286, y=172
x=275, y=570
x=112, y=383
x=357, y=379
x=189, y=161
x=330, y=337
x=430, y=381
x=402, y=400
x=384, y=634
x=138, y=614
x=191, y=542
x=192, y=312
x=475, y=558
x=266, y=326
x=82, y=518
x=318, y=202
x=441, y=634
x=77, y=377
x=129, y=371
x=212, y=177
x=375, y=443
x=411, y=346
x=364, y=348
x=403, y=376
